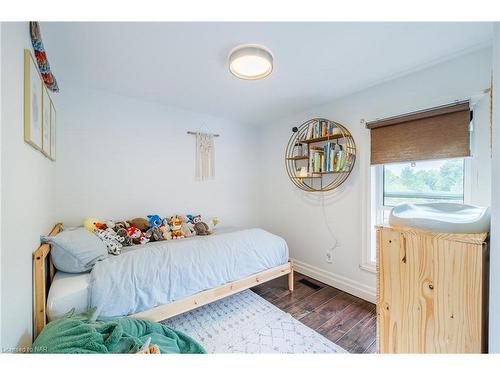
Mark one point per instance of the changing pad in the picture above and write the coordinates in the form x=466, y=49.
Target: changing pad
x=442, y=217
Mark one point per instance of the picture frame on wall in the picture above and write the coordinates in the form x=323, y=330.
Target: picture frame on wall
x=46, y=123
x=53, y=119
x=33, y=91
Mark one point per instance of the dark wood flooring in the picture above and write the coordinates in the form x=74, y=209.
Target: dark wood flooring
x=348, y=321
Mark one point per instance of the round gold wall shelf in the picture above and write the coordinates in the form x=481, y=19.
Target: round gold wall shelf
x=320, y=155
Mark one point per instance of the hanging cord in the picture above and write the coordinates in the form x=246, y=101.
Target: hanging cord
x=336, y=242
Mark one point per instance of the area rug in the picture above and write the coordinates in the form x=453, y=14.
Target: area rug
x=247, y=323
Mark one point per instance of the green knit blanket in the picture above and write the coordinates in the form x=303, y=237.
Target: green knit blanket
x=79, y=334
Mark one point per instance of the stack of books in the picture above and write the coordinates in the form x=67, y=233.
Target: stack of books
x=316, y=159
x=329, y=158
x=321, y=128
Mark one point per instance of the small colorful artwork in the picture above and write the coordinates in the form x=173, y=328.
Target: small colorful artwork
x=41, y=58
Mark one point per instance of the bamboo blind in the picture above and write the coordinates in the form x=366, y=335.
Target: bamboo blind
x=437, y=133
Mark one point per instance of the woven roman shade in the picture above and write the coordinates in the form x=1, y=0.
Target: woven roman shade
x=437, y=133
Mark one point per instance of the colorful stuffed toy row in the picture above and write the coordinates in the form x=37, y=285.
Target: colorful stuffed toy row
x=116, y=235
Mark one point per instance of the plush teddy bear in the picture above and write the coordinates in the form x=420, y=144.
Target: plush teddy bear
x=200, y=227
x=175, y=224
x=140, y=223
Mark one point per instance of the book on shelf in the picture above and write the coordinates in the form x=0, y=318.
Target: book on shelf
x=329, y=158
x=308, y=132
x=324, y=128
x=334, y=158
x=316, y=159
x=320, y=129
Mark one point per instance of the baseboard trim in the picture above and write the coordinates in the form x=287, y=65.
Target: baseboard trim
x=340, y=282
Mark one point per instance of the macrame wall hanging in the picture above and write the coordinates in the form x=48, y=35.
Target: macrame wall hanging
x=41, y=58
x=205, y=156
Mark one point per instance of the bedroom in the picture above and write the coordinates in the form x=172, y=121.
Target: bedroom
x=275, y=181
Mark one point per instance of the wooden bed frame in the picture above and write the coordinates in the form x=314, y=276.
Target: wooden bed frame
x=44, y=271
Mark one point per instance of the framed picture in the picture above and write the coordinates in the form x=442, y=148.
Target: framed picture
x=46, y=123
x=52, y=131
x=33, y=91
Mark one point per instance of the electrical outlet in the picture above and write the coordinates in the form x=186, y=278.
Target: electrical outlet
x=329, y=256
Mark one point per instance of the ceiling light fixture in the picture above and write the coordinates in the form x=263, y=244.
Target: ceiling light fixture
x=250, y=61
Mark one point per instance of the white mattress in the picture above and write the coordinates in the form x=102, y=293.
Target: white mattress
x=68, y=291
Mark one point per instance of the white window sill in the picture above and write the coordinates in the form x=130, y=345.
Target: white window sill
x=370, y=267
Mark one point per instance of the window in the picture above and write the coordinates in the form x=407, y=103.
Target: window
x=424, y=181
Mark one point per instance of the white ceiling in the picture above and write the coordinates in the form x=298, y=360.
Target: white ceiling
x=185, y=64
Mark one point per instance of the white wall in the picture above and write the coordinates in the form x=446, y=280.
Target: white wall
x=298, y=216
x=120, y=158
x=27, y=194
x=494, y=327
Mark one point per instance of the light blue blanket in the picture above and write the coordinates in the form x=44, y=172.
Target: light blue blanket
x=161, y=272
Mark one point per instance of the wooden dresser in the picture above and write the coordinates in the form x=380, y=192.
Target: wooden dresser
x=432, y=291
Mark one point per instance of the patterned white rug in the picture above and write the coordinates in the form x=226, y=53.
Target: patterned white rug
x=247, y=323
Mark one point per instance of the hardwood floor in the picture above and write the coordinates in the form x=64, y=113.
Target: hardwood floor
x=348, y=321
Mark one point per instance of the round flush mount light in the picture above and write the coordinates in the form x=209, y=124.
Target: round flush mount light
x=250, y=61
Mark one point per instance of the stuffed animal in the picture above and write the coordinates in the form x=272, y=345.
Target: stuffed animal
x=110, y=224
x=166, y=233
x=213, y=223
x=157, y=234
x=123, y=237
x=154, y=234
x=185, y=228
x=108, y=236
x=200, y=227
x=101, y=226
x=91, y=224
x=137, y=235
x=121, y=225
x=175, y=224
x=140, y=223
x=189, y=223
x=148, y=348
x=154, y=221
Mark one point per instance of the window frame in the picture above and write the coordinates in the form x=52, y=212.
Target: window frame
x=373, y=209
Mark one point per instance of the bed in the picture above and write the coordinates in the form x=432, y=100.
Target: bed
x=158, y=280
